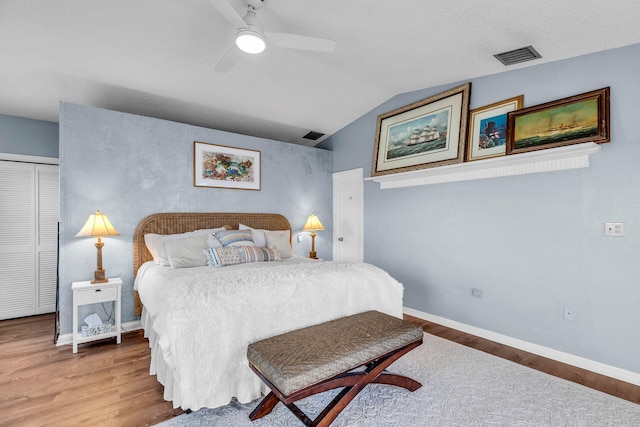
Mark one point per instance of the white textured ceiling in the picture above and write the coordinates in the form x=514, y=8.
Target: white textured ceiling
x=157, y=57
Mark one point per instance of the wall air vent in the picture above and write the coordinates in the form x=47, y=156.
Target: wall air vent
x=516, y=56
x=314, y=136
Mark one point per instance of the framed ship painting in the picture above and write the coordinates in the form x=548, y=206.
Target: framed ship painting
x=427, y=133
x=573, y=120
x=226, y=167
x=488, y=129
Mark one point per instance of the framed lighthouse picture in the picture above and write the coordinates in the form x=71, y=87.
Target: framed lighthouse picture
x=488, y=129
x=425, y=134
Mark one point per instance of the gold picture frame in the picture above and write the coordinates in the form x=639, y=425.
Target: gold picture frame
x=425, y=134
x=488, y=129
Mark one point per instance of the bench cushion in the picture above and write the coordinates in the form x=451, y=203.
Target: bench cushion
x=300, y=358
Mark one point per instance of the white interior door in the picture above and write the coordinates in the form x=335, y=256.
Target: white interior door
x=348, y=211
x=29, y=212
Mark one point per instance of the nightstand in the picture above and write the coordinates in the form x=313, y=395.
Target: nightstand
x=87, y=293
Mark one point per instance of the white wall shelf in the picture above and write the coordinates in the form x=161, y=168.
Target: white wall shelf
x=553, y=159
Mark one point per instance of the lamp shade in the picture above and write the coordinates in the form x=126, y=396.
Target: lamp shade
x=313, y=223
x=97, y=225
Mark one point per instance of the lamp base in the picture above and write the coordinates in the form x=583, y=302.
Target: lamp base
x=99, y=276
x=312, y=255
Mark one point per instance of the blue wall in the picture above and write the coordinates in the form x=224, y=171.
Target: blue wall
x=131, y=166
x=533, y=243
x=28, y=137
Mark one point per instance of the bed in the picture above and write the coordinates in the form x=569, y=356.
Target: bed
x=199, y=320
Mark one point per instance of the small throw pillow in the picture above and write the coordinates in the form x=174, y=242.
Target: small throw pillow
x=235, y=237
x=280, y=240
x=231, y=255
x=184, y=253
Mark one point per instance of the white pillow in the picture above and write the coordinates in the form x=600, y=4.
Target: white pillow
x=212, y=241
x=280, y=240
x=259, y=237
x=187, y=252
x=155, y=242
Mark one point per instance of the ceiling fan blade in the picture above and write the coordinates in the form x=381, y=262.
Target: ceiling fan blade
x=296, y=41
x=228, y=60
x=225, y=9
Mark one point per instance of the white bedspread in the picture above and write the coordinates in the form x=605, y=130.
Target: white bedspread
x=199, y=321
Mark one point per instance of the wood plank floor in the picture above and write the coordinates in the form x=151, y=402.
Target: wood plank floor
x=105, y=384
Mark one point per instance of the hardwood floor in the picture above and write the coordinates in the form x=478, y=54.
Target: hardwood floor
x=105, y=384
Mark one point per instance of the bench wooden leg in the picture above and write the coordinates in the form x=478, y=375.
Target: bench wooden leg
x=264, y=407
x=352, y=383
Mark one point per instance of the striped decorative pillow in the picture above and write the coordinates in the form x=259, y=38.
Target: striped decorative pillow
x=231, y=255
x=235, y=238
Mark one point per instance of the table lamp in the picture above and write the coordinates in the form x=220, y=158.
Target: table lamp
x=98, y=225
x=313, y=224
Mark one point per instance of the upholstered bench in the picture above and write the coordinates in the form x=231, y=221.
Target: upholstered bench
x=322, y=357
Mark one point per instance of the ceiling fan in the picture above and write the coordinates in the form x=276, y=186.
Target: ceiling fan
x=251, y=38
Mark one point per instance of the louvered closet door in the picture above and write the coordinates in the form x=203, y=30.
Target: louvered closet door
x=28, y=214
x=47, y=217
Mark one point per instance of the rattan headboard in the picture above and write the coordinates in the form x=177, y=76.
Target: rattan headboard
x=180, y=222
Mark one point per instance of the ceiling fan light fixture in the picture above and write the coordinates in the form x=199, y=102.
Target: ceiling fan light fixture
x=250, y=41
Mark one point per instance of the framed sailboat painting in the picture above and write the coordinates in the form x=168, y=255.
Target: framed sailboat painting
x=427, y=133
x=572, y=120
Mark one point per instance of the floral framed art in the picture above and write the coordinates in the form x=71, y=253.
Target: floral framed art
x=572, y=120
x=488, y=129
x=225, y=167
x=427, y=133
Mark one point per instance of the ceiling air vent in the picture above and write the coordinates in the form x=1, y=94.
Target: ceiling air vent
x=314, y=136
x=516, y=56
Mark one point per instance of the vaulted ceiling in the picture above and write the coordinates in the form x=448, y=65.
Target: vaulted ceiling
x=157, y=57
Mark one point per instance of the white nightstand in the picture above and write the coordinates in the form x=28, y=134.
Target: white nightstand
x=87, y=293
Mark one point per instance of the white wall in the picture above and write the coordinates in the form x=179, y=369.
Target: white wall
x=131, y=166
x=533, y=243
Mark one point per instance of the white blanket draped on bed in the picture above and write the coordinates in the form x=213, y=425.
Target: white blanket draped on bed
x=199, y=321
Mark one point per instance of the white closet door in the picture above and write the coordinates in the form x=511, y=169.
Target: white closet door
x=17, y=240
x=29, y=200
x=47, y=215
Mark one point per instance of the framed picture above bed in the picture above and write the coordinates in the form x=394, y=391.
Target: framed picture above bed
x=225, y=167
x=425, y=134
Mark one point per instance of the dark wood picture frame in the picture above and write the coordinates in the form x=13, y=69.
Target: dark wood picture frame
x=573, y=120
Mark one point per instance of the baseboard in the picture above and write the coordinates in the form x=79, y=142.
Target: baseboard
x=570, y=359
x=67, y=339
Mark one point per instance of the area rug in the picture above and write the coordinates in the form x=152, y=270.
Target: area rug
x=461, y=386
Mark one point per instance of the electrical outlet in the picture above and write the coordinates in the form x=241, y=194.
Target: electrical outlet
x=614, y=229
x=476, y=292
x=568, y=313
